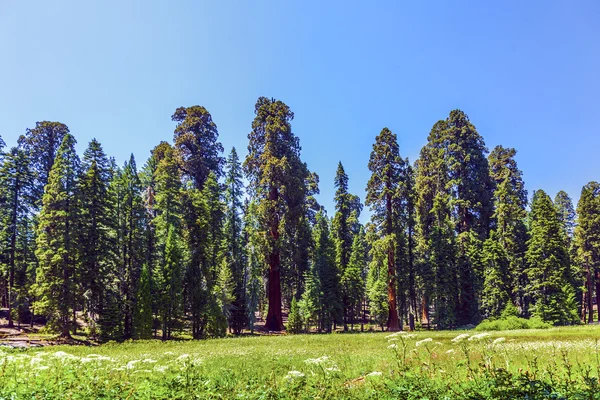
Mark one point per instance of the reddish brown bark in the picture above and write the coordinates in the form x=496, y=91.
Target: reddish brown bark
x=274, y=317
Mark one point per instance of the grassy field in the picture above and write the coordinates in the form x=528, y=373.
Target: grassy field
x=554, y=363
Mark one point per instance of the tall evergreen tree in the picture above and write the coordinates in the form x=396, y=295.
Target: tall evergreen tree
x=96, y=260
x=41, y=144
x=233, y=238
x=327, y=274
x=388, y=170
x=547, y=263
x=587, y=241
x=510, y=199
x=566, y=212
x=56, y=239
x=142, y=317
x=130, y=224
x=16, y=199
x=278, y=182
x=347, y=206
x=353, y=278
x=197, y=145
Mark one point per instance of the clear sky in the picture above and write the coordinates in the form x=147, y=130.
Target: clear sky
x=526, y=73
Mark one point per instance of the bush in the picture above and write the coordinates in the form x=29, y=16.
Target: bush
x=512, y=322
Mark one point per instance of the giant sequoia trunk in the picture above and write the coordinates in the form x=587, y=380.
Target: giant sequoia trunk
x=274, y=317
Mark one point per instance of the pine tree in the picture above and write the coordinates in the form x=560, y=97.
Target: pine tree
x=388, y=171
x=309, y=304
x=142, y=317
x=197, y=145
x=295, y=323
x=497, y=286
x=377, y=281
x=510, y=199
x=347, y=207
x=168, y=270
x=587, y=241
x=130, y=223
x=566, y=212
x=16, y=200
x=547, y=262
x=327, y=273
x=233, y=229
x=96, y=261
x=353, y=278
x=56, y=241
x=278, y=181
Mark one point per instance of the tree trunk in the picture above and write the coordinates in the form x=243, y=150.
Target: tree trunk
x=589, y=296
x=274, y=316
x=393, y=324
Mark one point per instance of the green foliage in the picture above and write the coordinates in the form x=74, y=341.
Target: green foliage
x=197, y=145
x=295, y=324
x=56, y=240
x=511, y=323
x=547, y=262
x=142, y=317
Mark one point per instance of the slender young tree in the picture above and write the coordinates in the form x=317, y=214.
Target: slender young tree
x=347, y=207
x=388, y=170
x=233, y=239
x=16, y=200
x=96, y=261
x=547, y=263
x=56, y=239
x=353, y=277
x=277, y=180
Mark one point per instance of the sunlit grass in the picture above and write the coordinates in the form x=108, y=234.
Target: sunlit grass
x=561, y=361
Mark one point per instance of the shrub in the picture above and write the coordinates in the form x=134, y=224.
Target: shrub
x=512, y=322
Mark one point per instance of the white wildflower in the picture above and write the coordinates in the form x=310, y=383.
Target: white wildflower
x=392, y=339
x=161, y=368
x=294, y=375
x=131, y=364
x=374, y=373
x=499, y=340
x=42, y=367
x=479, y=336
x=149, y=361
x=393, y=346
x=183, y=357
x=451, y=351
x=426, y=340
x=317, y=361
x=460, y=337
x=168, y=353
x=332, y=369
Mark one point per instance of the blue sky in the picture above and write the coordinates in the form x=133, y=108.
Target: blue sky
x=527, y=74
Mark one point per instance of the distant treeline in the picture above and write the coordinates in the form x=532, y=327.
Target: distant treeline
x=182, y=245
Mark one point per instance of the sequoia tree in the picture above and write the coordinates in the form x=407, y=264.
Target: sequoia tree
x=277, y=179
x=383, y=196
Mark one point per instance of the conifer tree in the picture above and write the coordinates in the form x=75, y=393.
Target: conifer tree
x=510, y=199
x=547, y=263
x=41, y=145
x=168, y=276
x=130, y=224
x=497, y=286
x=388, y=170
x=347, y=207
x=327, y=274
x=353, y=278
x=309, y=304
x=278, y=182
x=566, y=212
x=233, y=239
x=16, y=199
x=295, y=323
x=197, y=145
x=377, y=281
x=96, y=260
x=56, y=239
x=587, y=241
x=142, y=317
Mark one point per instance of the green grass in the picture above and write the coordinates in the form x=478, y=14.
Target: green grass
x=550, y=363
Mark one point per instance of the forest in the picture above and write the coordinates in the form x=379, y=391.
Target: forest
x=198, y=242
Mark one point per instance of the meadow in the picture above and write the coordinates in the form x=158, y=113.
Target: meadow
x=557, y=363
